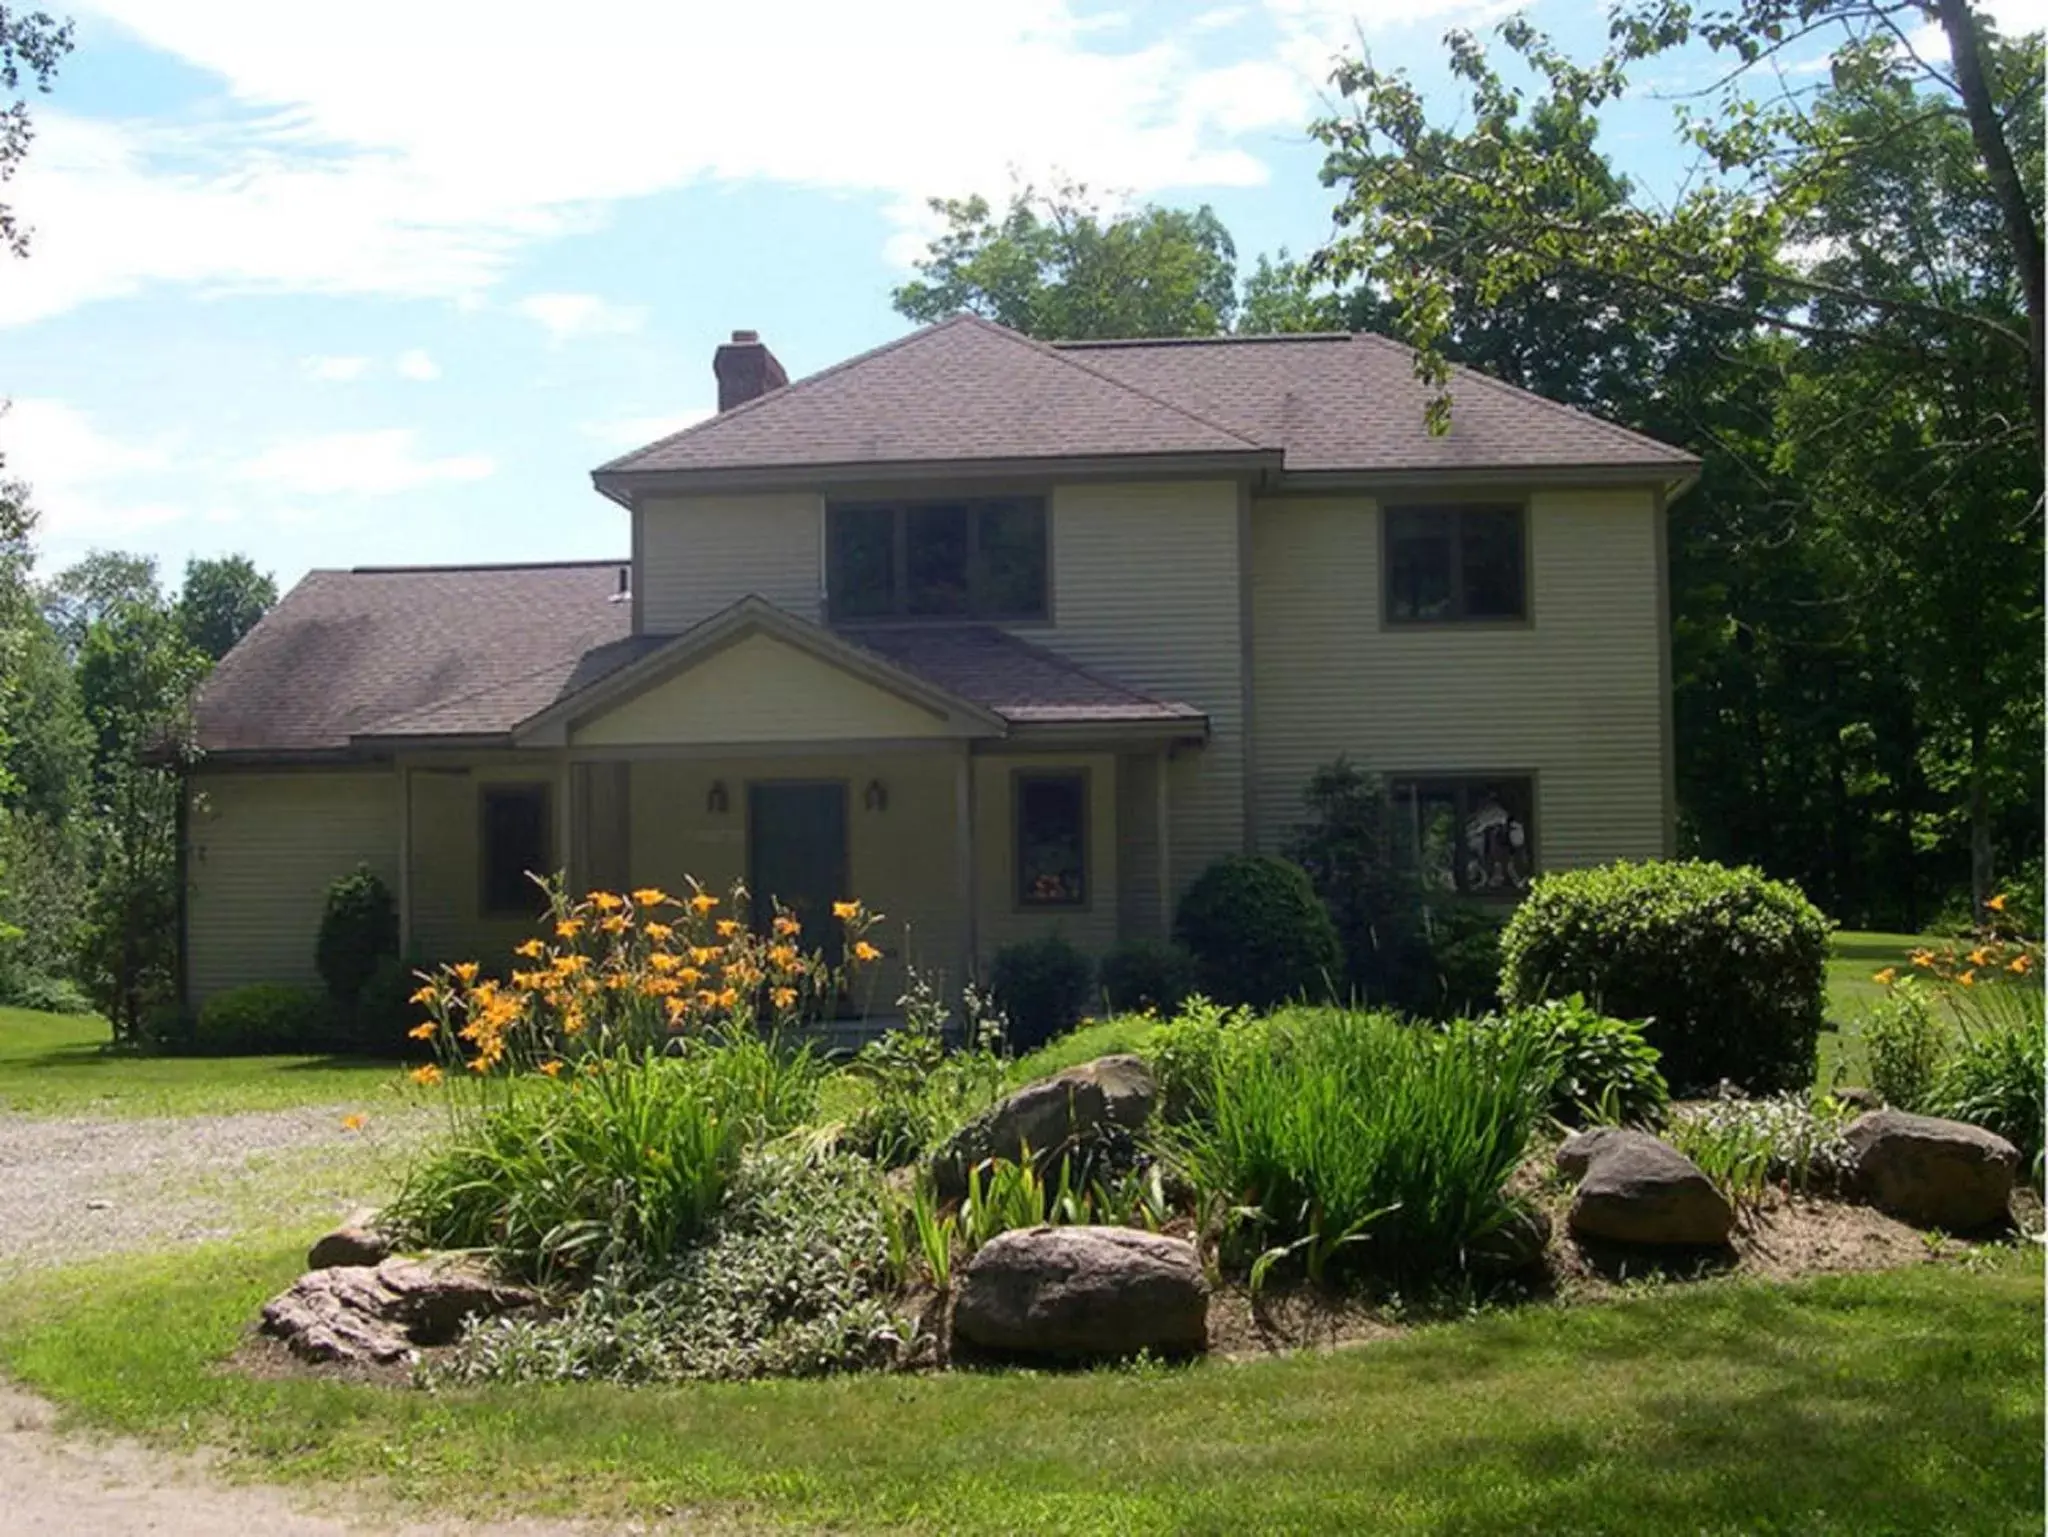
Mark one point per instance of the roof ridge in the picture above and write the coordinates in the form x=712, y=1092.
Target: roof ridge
x=1052, y=351
x=483, y=565
x=1576, y=413
x=1223, y=339
x=781, y=393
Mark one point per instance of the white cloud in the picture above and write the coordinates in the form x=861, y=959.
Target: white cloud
x=1219, y=17
x=334, y=370
x=77, y=474
x=357, y=463
x=634, y=431
x=570, y=315
x=333, y=163
x=416, y=364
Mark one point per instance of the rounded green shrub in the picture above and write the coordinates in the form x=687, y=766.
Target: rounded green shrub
x=1042, y=987
x=384, y=1013
x=358, y=928
x=1258, y=933
x=264, y=1017
x=1146, y=974
x=1727, y=968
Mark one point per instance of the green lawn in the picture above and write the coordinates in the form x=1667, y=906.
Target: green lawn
x=1901, y=1402
x=54, y=1064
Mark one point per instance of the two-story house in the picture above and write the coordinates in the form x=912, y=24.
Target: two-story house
x=1002, y=637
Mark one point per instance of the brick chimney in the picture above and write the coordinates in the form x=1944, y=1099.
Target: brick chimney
x=746, y=370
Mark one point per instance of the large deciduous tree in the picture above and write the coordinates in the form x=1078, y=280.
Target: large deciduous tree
x=1059, y=265
x=221, y=601
x=1840, y=312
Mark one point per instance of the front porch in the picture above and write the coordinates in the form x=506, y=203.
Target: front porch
x=779, y=755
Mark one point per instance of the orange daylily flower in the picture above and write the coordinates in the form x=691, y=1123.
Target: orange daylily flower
x=2020, y=964
x=465, y=970
x=1968, y=978
x=703, y=901
x=846, y=912
x=352, y=1123
x=651, y=896
x=1980, y=956
x=615, y=924
x=1886, y=977
x=783, y=997
x=863, y=951
x=551, y=1068
x=426, y=994
x=728, y=927
x=568, y=928
x=426, y=1076
x=1922, y=958
x=1996, y=904
x=531, y=949
x=424, y=1031
x=606, y=901
x=657, y=931
x=786, y=925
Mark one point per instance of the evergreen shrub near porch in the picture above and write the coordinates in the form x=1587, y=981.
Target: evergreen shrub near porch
x=1259, y=934
x=1727, y=967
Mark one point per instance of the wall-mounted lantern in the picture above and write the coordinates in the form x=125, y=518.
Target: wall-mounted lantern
x=876, y=797
x=716, y=801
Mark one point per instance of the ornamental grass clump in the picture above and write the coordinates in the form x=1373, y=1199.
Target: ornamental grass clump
x=1359, y=1138
x=625, y=1069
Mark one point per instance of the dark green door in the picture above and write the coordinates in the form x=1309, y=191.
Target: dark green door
x=796, y=855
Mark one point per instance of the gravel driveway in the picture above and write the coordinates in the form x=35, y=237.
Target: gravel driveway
x=76, y=1188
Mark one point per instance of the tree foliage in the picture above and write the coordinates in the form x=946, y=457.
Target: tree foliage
x=31, y=43
x=221, y=602
x=1061, y=266
x=1839, y=313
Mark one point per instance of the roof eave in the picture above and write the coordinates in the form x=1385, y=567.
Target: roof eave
x=1188, y=730
x=622, y=485
x=1673, y=476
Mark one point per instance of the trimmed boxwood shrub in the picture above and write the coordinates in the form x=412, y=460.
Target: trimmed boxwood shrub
x=1258, y=933
x=1146, y=974
x=264, y=1017
x=1042, y=986
x=384, y=1011
x=358, y=928
x=1727, y=967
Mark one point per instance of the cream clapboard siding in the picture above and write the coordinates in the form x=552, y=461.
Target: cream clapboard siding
x=448, y=921
x=1000, y=919
x=261, y=850
x=1575, y=697
x=1145, y=588
x=760, y=689
x=700, y=554
x=901, y=860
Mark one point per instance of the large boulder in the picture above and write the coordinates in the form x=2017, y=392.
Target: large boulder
x=1081, y=1107
x=1635, y=1189
x=1082, y=1293
x=1578, y=1150
x=1930, y=1172
x=377, y=1314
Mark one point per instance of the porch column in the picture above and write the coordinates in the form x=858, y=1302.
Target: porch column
x=963, y=857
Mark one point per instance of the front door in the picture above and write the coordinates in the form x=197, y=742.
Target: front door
x=796, y=855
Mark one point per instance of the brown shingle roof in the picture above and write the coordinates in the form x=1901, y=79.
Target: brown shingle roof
x=353, y=657
x=967, y=389
x=348, y=651
x=1336, y=402
x=1021, y=682
x=962, y=389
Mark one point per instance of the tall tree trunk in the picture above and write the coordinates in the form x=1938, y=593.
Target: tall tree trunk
x=1981, y=870
x=2022, y=228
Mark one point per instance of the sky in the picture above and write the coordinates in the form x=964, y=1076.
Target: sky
x=380, y=284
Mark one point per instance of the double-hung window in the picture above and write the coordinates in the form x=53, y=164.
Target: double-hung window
x=1455, y=564
x=960, y=558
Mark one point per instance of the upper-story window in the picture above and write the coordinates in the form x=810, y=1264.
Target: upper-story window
x=981, y=558
x=1454, y=564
